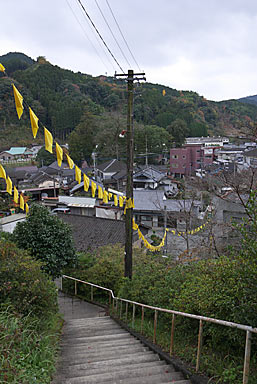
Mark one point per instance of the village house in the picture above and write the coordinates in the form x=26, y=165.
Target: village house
x=16, y=154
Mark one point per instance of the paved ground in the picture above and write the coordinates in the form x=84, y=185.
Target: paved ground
x=74, y=308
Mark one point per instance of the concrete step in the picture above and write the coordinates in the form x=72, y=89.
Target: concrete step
x=163, y=378
x=81, y=356
x=128, y=372
x=82, y=370
x=89, y=332
x=103, y=357
x=120, y=343
x=98, y=339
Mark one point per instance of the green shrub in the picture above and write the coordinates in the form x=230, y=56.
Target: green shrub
x=23, y=284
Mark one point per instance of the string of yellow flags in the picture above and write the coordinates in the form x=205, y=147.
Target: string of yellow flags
x=12, y=190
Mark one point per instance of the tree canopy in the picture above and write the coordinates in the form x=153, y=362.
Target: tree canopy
x=47, y=238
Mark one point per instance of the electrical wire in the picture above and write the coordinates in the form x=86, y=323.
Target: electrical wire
x=86, y=35
x=123, y=54
x=122, y=35
x=103, y=41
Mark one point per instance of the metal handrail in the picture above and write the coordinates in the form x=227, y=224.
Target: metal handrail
x=248, y=329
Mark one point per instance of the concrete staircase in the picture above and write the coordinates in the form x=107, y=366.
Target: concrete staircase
x=98, y=350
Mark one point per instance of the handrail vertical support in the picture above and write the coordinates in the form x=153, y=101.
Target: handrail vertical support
x=247, y=357
x=61, y=283
x=126, y=314
x=133, y=315
x=110, y=299
x=142, y=320
x=155, y=326
x=92, y=293
x=172, y=334
x=120, y=309
x=200, y=337
x=75, y=288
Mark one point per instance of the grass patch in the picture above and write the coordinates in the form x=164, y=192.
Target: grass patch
x=28, y=347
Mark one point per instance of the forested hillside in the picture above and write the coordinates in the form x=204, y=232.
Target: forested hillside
x=92, y=110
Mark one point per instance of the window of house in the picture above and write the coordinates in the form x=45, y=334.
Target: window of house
x=208, y=156
x=146, y=218
x=184, y=165
x=184, y=156
x=174, y=156
x=174, y=165
x=198, y=150
x=198, y=161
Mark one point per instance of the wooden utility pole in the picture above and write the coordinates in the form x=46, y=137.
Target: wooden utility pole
x=130, y=77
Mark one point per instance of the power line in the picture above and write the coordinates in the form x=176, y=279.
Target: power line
x=86, y=34
x=91, y=21
x=113, y=34
x=122, y=35
x=97, y=39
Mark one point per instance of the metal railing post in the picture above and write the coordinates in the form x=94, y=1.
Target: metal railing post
x=75, y=288
x=142, y=320
x=133, y=315
x=120, y=309
x=155, y=326
x=92, y=293
x=110, y=299
x=61, y=283
x=247, y=357
x=200, y=338
x=126, y=314
x=172, y=334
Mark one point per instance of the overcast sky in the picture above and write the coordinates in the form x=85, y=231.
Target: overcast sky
x=207, y=46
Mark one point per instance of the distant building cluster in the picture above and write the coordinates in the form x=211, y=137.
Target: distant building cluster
x=201, y=155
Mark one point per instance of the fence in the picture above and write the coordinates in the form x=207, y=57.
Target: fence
x=113, y=303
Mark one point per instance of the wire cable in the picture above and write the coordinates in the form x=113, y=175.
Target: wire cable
x=122, y=35
x=91, y=21
x=67, y=1
x=123, y=54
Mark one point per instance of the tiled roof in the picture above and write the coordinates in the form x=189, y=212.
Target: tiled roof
x=252, y=153
x=112, y=166
x=153, y=201
x=93, y=232
x=17, y=150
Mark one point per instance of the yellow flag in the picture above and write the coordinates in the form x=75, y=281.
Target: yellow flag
x=77, y=174
x=93, y=188
x=9, y=185
x=18, y=101
x=2, y=172
x=109, y=195
x=33, y=122
x=15, y=195
x=163, y=92
x=27, y=208
x=86, y=182
x=2, y=68
x=121, y=201
x=48, y=140
x=115, y=200
x=70, y=161
x=105, y=198
x=59, y=154
x=21, y=202
x=100, y=192
x=134, y=225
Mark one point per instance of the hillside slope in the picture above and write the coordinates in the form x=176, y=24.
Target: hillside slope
x=61, y=97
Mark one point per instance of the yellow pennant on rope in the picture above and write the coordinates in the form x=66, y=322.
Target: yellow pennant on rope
x=9, y=185
x=100, y=192
x=2, y=68
x=34, y=122
x=15, y=195
x=121, y=201
x=59, y=154
x=2, y=172
x=93, y=188
x=21, y=202
x=27, y=208
x=105, y=197
x=77, y=174
x=134, y=225
x=115, y=198
x=18, y=101
x=109, y=196
x=70, y=161
x=48, y=140
x=86, y=182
